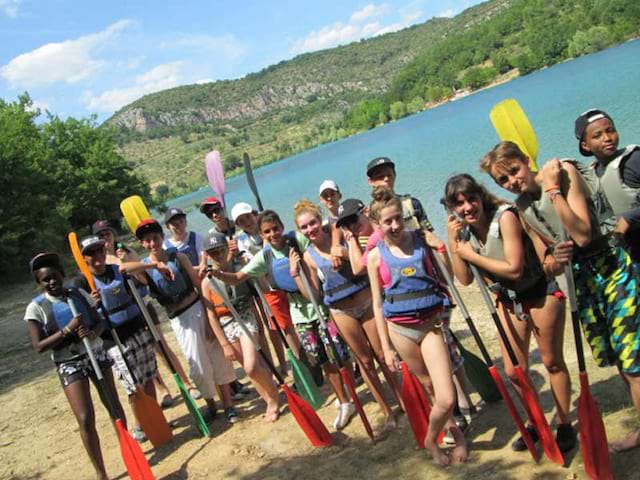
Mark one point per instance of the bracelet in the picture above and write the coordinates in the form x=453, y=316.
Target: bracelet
x=553, y=194
x=294, y=276
x=441, y=249
x=66, y=331
x=553, y=187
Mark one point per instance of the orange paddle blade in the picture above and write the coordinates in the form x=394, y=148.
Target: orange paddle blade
x=536, y=415
x=593, y=436
x=308, y=419
x=514, y=413
x=413, y=407
x=346, y=379
x=77, y=256
x=134, y=459
x=151, y=418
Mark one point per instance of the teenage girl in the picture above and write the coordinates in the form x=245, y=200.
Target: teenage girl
x=408, y=304
x=527, y=300
x=53, y=327
x=347, y=296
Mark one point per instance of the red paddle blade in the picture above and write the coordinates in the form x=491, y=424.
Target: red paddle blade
x=346, y=379
x=413, y=407
x=514, y=413
x=426, y=406
x=308, y=419
x=134, y=459
x=536, y=415
x=593, y=437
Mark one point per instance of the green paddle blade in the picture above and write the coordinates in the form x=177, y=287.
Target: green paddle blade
x=304, y=382
x=511, y=123
x=193, y=408
x=479, y=376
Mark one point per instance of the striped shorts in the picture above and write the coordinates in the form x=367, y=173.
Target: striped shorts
x=141, y=356
x=607, y=289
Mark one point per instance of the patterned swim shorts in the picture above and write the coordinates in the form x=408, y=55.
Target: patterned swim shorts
x=310, y=335
x=73, y=370
x=232, y=329
x=141, y=355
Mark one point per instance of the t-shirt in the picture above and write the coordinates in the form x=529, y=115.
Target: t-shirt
x=185, y=243
x=372, y=242
x=35, y=312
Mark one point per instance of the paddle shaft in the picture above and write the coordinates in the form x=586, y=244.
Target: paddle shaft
x=248, y=171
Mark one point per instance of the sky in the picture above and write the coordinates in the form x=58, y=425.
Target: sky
x=77, y=58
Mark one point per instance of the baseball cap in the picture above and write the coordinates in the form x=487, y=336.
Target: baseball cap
x=214, y=240
x=378, y=162
x=171, y=213
x=241, y=208
x=101, y=226
x=209, y=202
x=328, y=184
x=583, y=121
x=148, y=225
x=90, y=243
x=45, y=259
x=349, y=208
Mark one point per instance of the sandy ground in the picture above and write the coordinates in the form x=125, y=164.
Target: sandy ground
x=39, y=436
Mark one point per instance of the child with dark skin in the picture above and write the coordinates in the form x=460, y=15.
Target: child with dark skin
x=74, y=368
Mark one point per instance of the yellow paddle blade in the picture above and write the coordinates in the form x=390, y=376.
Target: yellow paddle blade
x=511, y=123
x=134, y=211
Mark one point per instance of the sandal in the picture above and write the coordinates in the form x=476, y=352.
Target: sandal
x=166, y=401
x=195, y=393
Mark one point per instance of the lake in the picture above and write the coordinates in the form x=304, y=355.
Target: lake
x=430, y=146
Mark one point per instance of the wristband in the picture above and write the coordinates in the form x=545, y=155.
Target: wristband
x=551, y=188
x=553, y=194
x=441, y=249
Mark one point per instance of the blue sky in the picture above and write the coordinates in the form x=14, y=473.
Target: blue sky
x=81, y=57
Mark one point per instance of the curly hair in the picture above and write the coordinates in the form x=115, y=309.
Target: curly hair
x=383, y=197
x=306, y=206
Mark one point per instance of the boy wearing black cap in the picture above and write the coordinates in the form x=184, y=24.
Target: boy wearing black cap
x=185, y=241
x=212, y=208
x=614, y=177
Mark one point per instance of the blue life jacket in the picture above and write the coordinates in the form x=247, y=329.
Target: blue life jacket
x=278, y=268
x=337, y=285
x=58, y=315
x=189, y=249
x=117, y=301
x=165, y=291
x=413, y=290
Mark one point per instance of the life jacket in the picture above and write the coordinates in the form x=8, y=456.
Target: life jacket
x=542, y=217
x=165, y=291
x=249, y=240
x=278, y=268
x=188, y=248
x=409, y=212
x=338, y=285
x=414, y=289
x=118, y=302
x=239, y=296
x=611, y=196
x=533, y=275
x=58, y=315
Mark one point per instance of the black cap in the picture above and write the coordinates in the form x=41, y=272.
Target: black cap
x=349, y=208
x=90, y=243
x=101, y=226
x=583, y=121
x=148, y=225
x=45, y=259
x=378, y=162
x=214, y=240
x=171, y=213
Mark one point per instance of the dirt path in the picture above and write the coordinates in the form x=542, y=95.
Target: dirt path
x=39, y=436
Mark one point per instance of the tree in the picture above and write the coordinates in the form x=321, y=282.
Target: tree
x=593, y=40
x=477, y=77
x=415, y=105
x=398, y=110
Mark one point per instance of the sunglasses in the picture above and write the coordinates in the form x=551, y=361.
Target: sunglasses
x=328, y=195
x=105, y=233
x=215, y=210
x=350, y=221
x=96, y=251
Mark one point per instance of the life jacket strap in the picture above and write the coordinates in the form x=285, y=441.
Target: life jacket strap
x=399, y=297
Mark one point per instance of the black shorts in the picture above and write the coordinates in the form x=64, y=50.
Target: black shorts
x=73, y=370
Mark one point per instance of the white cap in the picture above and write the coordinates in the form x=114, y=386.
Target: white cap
x=240, y=209
x=328, y=184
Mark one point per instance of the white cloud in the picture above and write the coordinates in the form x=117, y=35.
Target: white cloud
x=10, y=7
x=159, y=78
x=228, y=46
x=202, y=81
x=37, y=104
x=447, y=13
x=342, y=33
x=70, y=61
x=370, y=11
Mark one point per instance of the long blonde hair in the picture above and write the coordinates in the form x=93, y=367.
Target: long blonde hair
x=306, y=206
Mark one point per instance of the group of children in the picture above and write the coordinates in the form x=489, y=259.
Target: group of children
x=377, y=271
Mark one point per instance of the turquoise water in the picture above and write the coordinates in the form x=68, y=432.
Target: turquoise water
x=431, y=146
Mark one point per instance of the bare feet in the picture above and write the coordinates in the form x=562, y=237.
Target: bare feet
x=390, y=423
x=627, y=443
x=440, y=457
x=273, y=411
x=459, y=454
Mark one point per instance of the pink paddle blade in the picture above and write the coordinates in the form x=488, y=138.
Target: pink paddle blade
x=215, y=173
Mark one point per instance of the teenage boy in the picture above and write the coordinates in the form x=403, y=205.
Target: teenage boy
x=330, y=197
x=614, y=177
x=185, y=241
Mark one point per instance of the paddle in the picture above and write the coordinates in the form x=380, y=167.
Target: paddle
x=306, y=417
x=511, y=123
x=493, y=371
x=302, y=376
x=215, y=174
x=593, y=436
x=529, y=397
x=248, y=171
x=132, y=455
x=346, y=378
x=146, y=409
x=418, y=420
x=134, y=211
